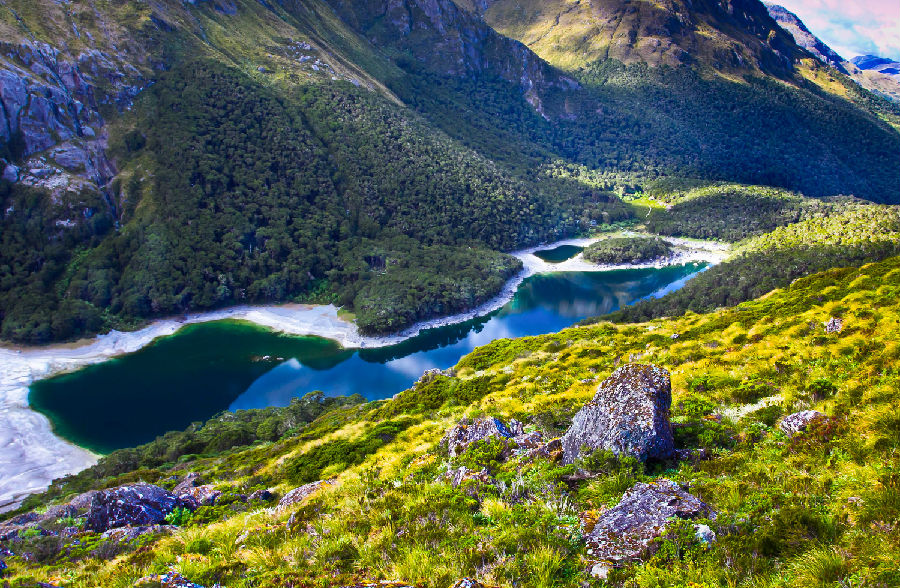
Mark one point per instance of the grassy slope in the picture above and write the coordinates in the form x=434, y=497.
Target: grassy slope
x=828, y=233
x=813, y=511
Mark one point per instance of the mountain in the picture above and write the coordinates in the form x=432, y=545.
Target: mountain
x=873, y=73
x=879, y=64
x=803, y=37
x=165, y=157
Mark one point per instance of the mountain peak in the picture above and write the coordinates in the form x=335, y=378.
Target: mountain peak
x=803, y=37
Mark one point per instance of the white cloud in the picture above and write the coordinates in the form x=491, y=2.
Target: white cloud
x=852, y=27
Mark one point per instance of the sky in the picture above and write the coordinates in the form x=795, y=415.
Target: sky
x=852, y=27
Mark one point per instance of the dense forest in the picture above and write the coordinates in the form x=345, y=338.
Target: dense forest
x=843, y=235
x=623, y=250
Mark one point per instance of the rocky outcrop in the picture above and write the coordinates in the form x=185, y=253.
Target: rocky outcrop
x=442, y=37
x=629, y=416
x=799, y=421
x=468, y=431
x=834, y=325
x=51, y=101
x=625, y=533
x=462, y=474
x=129, y=506
x=803, y=37
x=193, y=493
x=298, y=495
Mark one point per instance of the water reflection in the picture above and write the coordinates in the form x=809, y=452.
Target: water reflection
x=543, y=304
x=206, y=368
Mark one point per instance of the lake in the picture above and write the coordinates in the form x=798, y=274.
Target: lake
x=210, y=367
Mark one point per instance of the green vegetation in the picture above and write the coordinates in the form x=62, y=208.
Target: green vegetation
x=817, y=509
x=620, y=250
x=730, y=212
x=843, y=234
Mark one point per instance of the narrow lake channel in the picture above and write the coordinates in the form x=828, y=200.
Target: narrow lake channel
x=209, y=367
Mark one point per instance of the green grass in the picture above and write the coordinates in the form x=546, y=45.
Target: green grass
x=819, y=509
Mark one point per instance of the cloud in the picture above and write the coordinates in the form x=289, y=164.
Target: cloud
x=852, y=27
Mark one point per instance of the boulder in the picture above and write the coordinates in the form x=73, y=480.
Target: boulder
x=625, y=532
x=834, y=325
x=128, y=533
x=457, y=476
x=799, y=421
x=468, y=431
x=298, y=495
x=265, y=495
x=629, y=415
x=129, y=506
x=193, y=493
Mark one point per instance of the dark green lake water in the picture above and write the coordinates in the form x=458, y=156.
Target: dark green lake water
x=206, y=368
x=559, y=254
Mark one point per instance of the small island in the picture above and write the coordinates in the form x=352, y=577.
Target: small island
x=618, y=250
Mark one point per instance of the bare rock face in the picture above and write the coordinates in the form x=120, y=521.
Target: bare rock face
x=629, y=415
x=129, y=506
x=468, y=431
x=834, y=325
x=799, y=421
x=298, y=495
x=625, y=532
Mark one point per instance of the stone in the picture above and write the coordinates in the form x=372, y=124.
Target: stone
x=601, y=571
x=834, y=325
x=468, y=583
x=10, y=173
x=625, y=533
x=133, y=506
x=704, y=534
x=265, y=495
x=551, y=450
x=468, y=431
x=456, y=476
x=799, y=421
x=193, y=493
x=129, y=533
x=298, y=495
x=629, y=416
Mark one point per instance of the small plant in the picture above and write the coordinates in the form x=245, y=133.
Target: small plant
x=180, y=517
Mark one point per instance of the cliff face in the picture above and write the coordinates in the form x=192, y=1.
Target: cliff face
x=52, y=112
x=728, y=35
x=445, y=39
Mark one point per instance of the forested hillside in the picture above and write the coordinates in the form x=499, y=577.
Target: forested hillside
x=169, y=157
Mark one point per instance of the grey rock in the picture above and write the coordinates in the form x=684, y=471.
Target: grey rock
x=468, y=431
x=456, y=476
x=10, y=173
x=799, y=421
x=629, y=415
x=134, y=506
x=834, y=325
x=129, y=533
x=626, y=532
x=298, y=495
x=704, y=534
x=264, y=494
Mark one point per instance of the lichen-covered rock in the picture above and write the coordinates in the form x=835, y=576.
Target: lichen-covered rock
x=799, y=421
x=265, y=495
x=133, y=506
x=457, y=476
x=629, y=415
x=834, y=325
x=128, y=533
x=625, y=532
x=468, y=431
x=193, y=493
x=298, y=495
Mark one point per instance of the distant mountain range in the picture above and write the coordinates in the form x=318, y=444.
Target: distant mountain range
x=874, y=73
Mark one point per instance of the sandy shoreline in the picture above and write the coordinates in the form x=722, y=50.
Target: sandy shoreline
x=31, y=456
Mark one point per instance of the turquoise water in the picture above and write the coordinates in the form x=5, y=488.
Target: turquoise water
x=559, y=254
x=206, y=368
